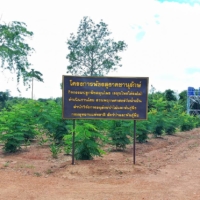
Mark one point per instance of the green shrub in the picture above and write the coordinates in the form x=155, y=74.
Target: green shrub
x=170, y=130
x=55, y=150
x=119, y=131
x=186, y=127
x=197, y=121
x=88, y=141
x=51, y=119
x=187, y=122
x=171, y=125
x=158, y=131
x=18, y=125
x=156, y=122
x=12, y=142
x=172, y=119
x=142, y=131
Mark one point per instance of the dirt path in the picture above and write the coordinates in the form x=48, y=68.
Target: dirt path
x=166, y=168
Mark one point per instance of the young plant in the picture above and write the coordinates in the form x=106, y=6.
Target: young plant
x=142, y=130
x=88, y=141
x=18, y=125
x=157, y=117
x=118, y=132
x=187, y=122
x=55, y=150
x=51, y=119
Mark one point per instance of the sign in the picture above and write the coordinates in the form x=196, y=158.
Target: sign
x=105, y=97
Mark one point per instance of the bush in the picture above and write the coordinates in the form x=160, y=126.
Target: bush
x=187, y=122
x=171, y=125
x=50, y=118
x=186, y=127
x=170, y=130
x=87, y=141
x=156, y=122
x=118, y=132
x=142, y=131
x=18, y=125
x=55, y=150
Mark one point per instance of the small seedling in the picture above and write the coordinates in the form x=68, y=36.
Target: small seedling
x=49, y=171
x=127, y=159
x=55, y=150
x=37, y=174
x=6, y=164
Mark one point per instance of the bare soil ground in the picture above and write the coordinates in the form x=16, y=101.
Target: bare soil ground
x=167, y=168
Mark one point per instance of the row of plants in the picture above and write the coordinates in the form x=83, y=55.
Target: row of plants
x=27, y=120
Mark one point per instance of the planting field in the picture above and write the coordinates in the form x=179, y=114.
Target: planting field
x=166, y=168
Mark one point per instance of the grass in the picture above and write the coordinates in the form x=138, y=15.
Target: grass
x=49, y=171
x=25, y=166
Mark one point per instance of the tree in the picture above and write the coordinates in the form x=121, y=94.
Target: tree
x=183, y=99
x=91, y=52
x=3, y=98
x=14, y=50
x=170, y=95
x=34, y=75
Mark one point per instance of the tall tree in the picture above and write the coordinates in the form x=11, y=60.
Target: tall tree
x=91, y=51
x=170, y=95
x=183, y=99
x=34, y=75
x=14, y=50
x=3, y=98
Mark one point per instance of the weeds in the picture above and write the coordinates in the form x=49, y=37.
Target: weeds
x=38, y=174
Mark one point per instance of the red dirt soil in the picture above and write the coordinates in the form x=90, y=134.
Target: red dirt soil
x=167, y=168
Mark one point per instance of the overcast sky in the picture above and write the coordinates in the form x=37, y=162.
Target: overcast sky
x=163, y=38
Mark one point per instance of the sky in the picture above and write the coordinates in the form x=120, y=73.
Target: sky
x=163, y=38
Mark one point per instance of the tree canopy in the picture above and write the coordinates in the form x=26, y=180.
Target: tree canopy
x=14, y=50
x=3, y=98
x=91, y=51
x=170, y=95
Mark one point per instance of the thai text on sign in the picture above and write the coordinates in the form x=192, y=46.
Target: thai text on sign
x=105, y=97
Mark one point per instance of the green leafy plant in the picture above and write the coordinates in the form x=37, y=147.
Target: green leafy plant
x=88, y=141
x=6, y=164
x=51, y=119
x=197, y=119
x=14, y=51
x=187, y=122
x=18, y=125
x=91, y=52
x=119, y=131
x=55, y=150
x=142, y=130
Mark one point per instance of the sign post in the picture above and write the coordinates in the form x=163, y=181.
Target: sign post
x=111, y=98
x=134, y=139
x=73, y=141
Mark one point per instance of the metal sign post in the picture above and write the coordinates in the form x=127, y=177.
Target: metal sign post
x=73, y=141
x=134, y=138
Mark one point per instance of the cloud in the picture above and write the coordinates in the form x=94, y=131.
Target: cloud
x=140, y=35
x=192, y=70
x=190, y=2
